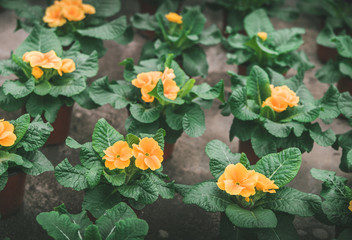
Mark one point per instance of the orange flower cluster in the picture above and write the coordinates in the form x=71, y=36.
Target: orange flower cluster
x=281, y=98
x=174, y=17
x=48, y=60
x=72, y=10
x=148, y=154
x=237, y=180
x=148, y=80
x=7, y=137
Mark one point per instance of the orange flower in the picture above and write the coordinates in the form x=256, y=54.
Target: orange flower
x=171, y=89
x=37, y=72
x=278, y=104
x=237, y=180
x=73, y=13
x=68, y=66
x=350, y=206
x=148, y=154
x=7, y=137
x=46, y=60
x=168, y=74
x=174, y=17
x=147, y=78
x=145, y=90
x=264, y=184
x=287, y=94
x=53, y=16
x=118, y=155
x=262, y=35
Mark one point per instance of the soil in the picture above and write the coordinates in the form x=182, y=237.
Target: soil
x=167, y=219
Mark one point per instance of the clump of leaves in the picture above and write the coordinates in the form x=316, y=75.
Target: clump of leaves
x=118, y=222
x=24, y=154
x=181, y=39
x=47, y=94
x=270, y=131
x=104, y=187
x=266, y=214
x=277, y=50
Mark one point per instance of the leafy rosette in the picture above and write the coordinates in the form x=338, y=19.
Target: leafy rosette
x=115, y=168
x=336, y=207
x=238, y=9
x=47, y=76
x=118, y=222
x=334, y=70
x=159, y=95
x=277, y=113
x=267, y=47
x=85, y=22
x=179, y=34
x=252, y=197
x=19, y=143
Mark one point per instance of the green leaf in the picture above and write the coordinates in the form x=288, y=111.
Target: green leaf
x=208, y=196
x=254, y=218
x=93, y=175
x=305, y=114
x=105, y=8
x=143, y=191
x=36, y=135
x=18, y=89
x=345, y=67
x=239, y=105
x=166, y=190
x=43, y=88
x=210, y=36
x=40, y=39
x=194, y=61
x=293, y=202
x=193, y=21
x=186, y=88
x=36, y=105
x=220, y=157
x=116, y=179
x=145, y=115
x=281, y=167
x=267, y=112
x=205, y=91
x=107, y=222
x=324, y=139
x=86, y=65
x=287, y=40
x=329, y=103
x=21, y=126
x=104, y=136
x=6, y=157
x=92, y=233
x=329, y=73
x=8, y=67
x=173, y=118
x=263, y=142
x=70, y=142
x=345, y=104
x=144, y=21
x=40, y=163
x=3, y=180
x=242, y=129
x=344, y=46
x=257, y=21
x=68, y=86
x=9, y=103
x=100, y=198
x=281, y=130
x=131, y=228
x=107, y=31
x=158, y=93
x=193, y=121
x=326, y=36
x=58, y=226
x=69, y=176
x=89, y=157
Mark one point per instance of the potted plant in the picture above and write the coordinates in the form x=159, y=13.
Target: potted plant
x=252, y=199
x=180, y=35
x=335, y=19
x=234, y=11
x=19, y=155
x=271, y=114
x=159, y=94
x=336, y=207
x=340, y=69
x=119, y=222
x=87, y=23
x=117, y=169
x=266, y=47
x=49, y=80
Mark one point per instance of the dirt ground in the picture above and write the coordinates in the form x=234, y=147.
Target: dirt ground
x=167, y=219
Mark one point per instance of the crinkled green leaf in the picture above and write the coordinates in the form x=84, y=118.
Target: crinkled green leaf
x=130, y=228
x=329, y=73
x=239, y=105
x=194, y=61
x=145, y=115
x=257, y=21
x=40, y=163
x=69, y=176
x=345, y=104
x=324, y=139
x=107, y=31
x=344, y=45
x=193, y=121
x=17, y=88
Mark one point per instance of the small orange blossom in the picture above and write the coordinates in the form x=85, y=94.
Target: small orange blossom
x=174, y=17
x=7, y=137
x=148, y=154
x=118, y=155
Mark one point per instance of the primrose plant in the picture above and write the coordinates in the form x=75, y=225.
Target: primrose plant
x=117, y=169
x=47, y=77
x=277, y=113
x=159, y=94
x=19, y=144
x=119, y=222
x=180, y=35
x=85, y=22
x=336, y=208
x=252, y=197
x=267, y=47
